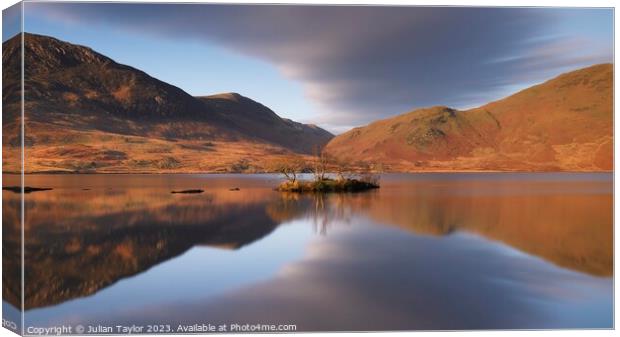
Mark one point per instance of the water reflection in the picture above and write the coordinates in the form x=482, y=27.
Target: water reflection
x=423, y=252
x=380, y=280
x=567, y=223
x=78, y=242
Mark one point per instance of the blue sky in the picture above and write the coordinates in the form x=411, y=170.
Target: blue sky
x=337, y=66
x=198, y=68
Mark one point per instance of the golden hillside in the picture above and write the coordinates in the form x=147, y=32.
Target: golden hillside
x=86, y=113
x=564, y=124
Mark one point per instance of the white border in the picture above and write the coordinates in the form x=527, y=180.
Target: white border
x=478, y=3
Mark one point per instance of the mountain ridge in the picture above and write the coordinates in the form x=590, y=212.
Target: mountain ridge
x=563, y=124
x=86, y=113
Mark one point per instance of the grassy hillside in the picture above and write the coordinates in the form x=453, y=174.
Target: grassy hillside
x=564, y=124
x=86, y=113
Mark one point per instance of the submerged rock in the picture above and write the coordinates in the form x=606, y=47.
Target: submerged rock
x=27, y=189
x=188, y=191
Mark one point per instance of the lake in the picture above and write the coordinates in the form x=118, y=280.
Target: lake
x=424, y=252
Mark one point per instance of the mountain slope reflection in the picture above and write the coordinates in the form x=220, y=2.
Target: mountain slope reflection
x=426, y=255
x=79, y=242
x=568, y=227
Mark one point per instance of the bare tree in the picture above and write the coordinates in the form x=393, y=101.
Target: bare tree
x=289, y=166
x=321, y=163
x=324, y=163
x=369, y=173
x=342, y=168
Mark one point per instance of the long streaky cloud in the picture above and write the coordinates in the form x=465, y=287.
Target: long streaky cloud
x=364, y=63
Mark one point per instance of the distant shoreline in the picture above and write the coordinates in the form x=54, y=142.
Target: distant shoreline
x=251, y=173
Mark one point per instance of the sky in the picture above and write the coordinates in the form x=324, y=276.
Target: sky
x=337, y=66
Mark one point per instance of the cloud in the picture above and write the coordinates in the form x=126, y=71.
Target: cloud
x=364, y=63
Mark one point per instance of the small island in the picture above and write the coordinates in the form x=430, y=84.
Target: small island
x=327, y=185
x=328, y=174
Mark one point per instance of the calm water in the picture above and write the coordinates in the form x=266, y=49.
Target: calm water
x=426, y=251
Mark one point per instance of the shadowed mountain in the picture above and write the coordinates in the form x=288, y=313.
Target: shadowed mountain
x=254, y=118
x=564, y=124
x=85, y=112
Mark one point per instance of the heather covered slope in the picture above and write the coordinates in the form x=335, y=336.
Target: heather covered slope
x=564, y=124
x=86, y=113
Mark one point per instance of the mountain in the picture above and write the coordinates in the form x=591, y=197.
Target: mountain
x=564, y=124
x=254, y=118
x=85, y=112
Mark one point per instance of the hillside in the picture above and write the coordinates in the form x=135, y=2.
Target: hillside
x=564, y=124
x=86, y=113
x=258, y=120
